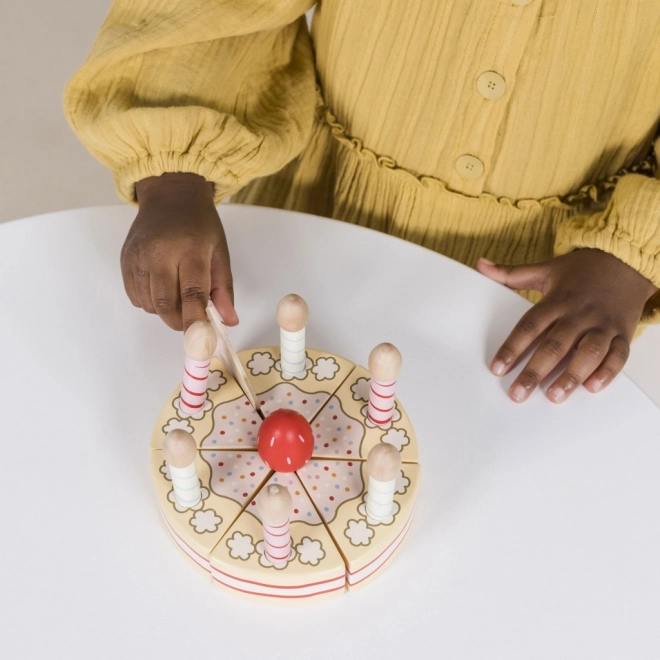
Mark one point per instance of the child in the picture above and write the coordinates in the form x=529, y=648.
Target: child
x=493, y=131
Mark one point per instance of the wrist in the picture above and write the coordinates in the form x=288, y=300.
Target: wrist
x=646, y=285
x=174, y=187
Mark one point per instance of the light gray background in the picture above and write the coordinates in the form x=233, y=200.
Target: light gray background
x=44, y=168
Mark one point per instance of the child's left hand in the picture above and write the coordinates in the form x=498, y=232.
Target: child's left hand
x=592, y=302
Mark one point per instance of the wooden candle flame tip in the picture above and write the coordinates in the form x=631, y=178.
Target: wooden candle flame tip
x=292, y=313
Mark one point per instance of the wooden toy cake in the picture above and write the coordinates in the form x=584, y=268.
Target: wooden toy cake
x=284, y=472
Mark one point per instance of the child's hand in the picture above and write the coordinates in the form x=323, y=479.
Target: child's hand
x=175, y=255
x=592, y=301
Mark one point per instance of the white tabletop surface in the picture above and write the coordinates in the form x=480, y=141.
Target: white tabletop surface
x=537, y=533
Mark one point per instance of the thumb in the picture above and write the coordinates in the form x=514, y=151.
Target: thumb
x=530, y=278
x=222, y=289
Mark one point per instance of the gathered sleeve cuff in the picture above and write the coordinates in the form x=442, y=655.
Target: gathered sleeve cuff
x=223, y=89
x=628, y=228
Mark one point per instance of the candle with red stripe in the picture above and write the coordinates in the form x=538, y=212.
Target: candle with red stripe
x=274, y=504
x=199, y=343
x=180, y=451
x=383, y=467
x=384, y=366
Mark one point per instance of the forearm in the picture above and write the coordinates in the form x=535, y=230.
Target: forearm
x=222, y=94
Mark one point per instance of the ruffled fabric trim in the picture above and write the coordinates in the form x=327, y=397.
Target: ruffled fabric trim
x=599, y=191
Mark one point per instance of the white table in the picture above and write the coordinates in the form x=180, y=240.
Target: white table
x=537, y=534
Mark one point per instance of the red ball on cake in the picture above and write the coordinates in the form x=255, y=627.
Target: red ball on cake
x=285, y=440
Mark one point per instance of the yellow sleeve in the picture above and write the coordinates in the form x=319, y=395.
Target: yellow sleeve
x=628, y=228
x=221, y=88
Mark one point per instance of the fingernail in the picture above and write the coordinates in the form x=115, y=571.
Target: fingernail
x=557, y=394
x=519, y=393
x=596, y=385
x=498, y=368
x=488, y=262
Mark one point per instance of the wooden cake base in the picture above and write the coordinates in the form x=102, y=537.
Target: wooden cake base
x=333, y=543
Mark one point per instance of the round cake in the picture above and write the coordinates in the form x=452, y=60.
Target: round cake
x=334, y=543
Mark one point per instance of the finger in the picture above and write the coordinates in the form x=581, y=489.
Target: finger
x=530, y=327
x=611, y=366
x=591, y=352
x=165, y=297
x=222, y=288
x=129, y=279
x=551, y=350
x=130, y=287
x=143, y=290
x=194, y=286
x=530, y=278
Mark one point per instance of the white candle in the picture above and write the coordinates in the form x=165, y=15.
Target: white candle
x=383, y=466
x=292, y=316
x=180, y=452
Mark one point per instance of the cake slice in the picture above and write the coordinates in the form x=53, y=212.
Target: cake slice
x=314, y=569
x=322, y=375
x=338, y=489
x=228, y=480
x=342, y=429
x=222, y=390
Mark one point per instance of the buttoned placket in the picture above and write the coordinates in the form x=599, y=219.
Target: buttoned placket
x=491, y=83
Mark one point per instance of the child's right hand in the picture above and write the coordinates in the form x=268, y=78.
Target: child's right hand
x=175, y=255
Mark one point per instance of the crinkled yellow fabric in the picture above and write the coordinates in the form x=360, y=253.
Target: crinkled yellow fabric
x=365, y=119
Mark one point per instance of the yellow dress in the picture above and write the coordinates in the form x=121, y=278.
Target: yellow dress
x=510, y=129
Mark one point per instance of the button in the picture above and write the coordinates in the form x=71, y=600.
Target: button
x=469, y=167
x=521, y=2
x=491, y=85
